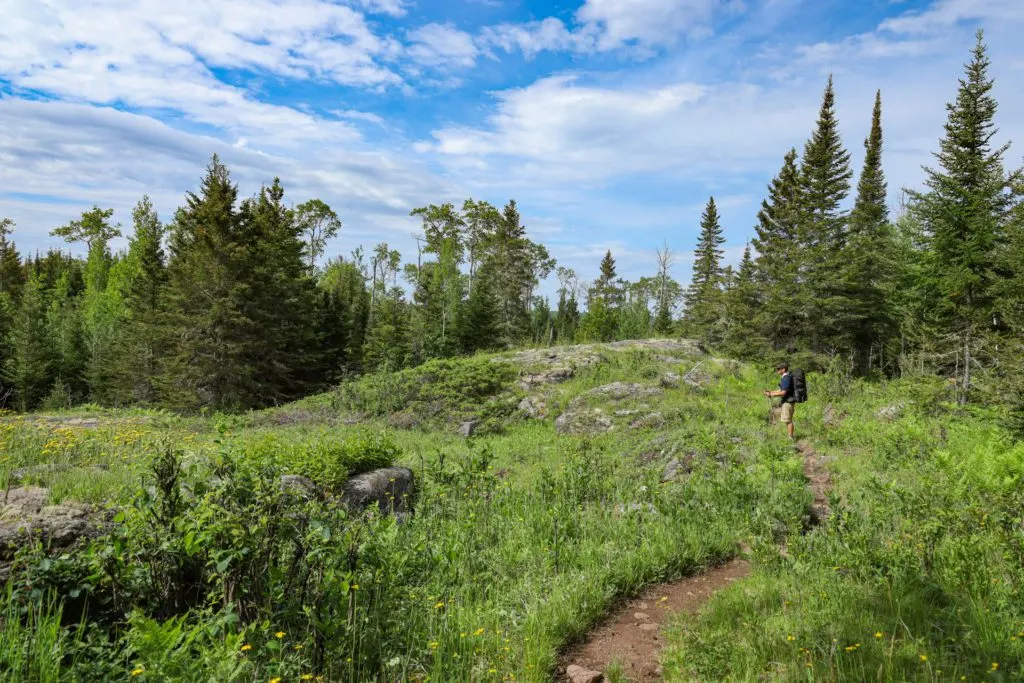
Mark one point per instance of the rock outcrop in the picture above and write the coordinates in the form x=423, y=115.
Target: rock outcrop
x=393, y=489
x=25, y=513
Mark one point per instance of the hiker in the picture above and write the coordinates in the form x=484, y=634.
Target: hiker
x=787, y=392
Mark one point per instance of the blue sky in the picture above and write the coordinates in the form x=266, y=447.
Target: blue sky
x=609, y=121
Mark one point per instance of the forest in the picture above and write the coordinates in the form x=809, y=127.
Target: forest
x=230, y=305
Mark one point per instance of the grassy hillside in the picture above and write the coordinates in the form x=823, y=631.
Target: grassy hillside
x=523, y=534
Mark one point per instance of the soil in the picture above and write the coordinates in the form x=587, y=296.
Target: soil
x=631, y=635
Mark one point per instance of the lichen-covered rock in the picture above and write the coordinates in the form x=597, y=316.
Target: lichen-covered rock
x=24, y=513
x=468, y=428
x=649, y=421
x=392, y=489
x=619, y=391
x=583, y=422
x=533, y=407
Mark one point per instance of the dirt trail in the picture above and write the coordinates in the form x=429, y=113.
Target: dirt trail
x=630, y=636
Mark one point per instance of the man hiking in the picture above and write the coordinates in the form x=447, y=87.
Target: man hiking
x=787, y=392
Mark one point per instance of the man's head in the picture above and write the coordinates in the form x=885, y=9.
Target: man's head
x=782, y=369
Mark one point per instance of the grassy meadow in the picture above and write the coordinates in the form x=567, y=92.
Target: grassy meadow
x=522, y=537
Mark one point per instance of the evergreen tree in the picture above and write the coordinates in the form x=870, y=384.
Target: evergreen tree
x=28, y=369
x=208, y=366
x=276, y=296
x=67, y=338
x=11, y=275
x=964, y=212
x=509, y=258
x=142, y=338
x=824, y=184
x=345, y=311
x=866, y=315
x=477, y=325
x=601, y=321
x=742, y=301
x=388, y=343
x=703, y=299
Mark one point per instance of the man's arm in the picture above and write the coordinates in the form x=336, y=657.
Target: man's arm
x=774, y=394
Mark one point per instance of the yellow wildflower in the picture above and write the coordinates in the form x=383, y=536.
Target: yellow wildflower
x=791, y=638
x=306, y=677
x=275, y=679
x=279, y=635
x=878, y=634
x=138, y=672
x=439, y=605
x=924, y=658
x=995, y=665
x=478, y=632
x=246, y=647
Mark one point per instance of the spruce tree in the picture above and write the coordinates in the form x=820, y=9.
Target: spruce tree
x=778, y=253
x=477, y=324
x=742, y=300
x=703, y=299
x=209, y=363
x=601, y=321
x=11, y=275
x=142, y=339
x=965, y=211
x=824, y=184
x=865, y=311
x=28, y=369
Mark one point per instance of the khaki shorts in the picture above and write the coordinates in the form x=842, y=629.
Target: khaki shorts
x=787, y=412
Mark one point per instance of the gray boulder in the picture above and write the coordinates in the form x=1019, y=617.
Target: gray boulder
x=468, y=428
x=392, y=489
x=24, y=514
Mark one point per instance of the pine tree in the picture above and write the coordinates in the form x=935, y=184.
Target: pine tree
x=824, y=184
x=964, y=212
x=28, y=369
x=703, y=299
x=864, y=310
x=510, y=260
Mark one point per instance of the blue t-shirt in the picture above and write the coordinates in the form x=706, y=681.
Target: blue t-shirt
x=786, y=384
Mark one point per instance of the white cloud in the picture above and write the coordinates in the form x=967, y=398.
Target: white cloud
x=84, y=155
x=533, y=37
x=944, y=13
x=558, y=128
x=648, y=22
x=442, y=46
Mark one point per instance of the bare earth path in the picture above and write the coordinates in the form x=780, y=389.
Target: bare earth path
x=630, y=637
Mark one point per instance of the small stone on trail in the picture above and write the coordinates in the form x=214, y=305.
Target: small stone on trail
x=577, y=674
x=648, y=627
x=640, y=616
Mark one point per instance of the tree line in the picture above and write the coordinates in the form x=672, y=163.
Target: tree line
x=228, y=306
x=938, y=289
